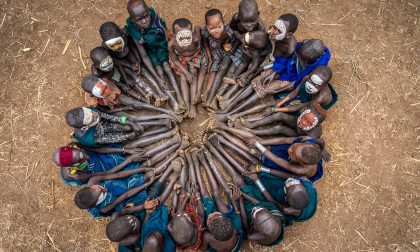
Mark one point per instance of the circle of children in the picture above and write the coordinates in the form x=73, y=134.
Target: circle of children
x=129, y=164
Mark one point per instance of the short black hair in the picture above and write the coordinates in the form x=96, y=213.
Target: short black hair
x=74, y=117
x=325, y=71
x=248, y=5
x=181, y=22
x=84, y=198
x=312, y=154
x=98, y=54
x=298, y=199
x=213, y=12
x=109, y=30
x=221, y=228
x=118, y=229
x=258, y=39
x=292, y=19
x=312, y=49
x=89, y=82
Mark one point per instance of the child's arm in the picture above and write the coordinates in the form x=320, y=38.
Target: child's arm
x=280, y=174
x=296, y=169
x=291, y=96
x=254, y=177
x=278, y=140
x=174, y=59
x=123, y=174
x=208, y=53
x=146, y=60
x=293, y=108
x=244, y=218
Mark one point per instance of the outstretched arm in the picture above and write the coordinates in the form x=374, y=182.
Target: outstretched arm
x=290, y=96
x=123, y=174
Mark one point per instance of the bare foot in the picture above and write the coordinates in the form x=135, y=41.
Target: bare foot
x=159, y=102
x=164, y=97
x=213, y=104
x=229, y=80
x=185, y=142
x=220, y=117
x=193, y=111
x=186, y=113
x=178, y=110
x=214, y=140
x=182, y=105
x=178, y=118
x=215, y=124
x=245, y=122
x=177, y=165
x=239, y=125
x=223, y=104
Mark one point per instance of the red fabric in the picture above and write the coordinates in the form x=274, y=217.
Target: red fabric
x=191, y=210
x=66, y=156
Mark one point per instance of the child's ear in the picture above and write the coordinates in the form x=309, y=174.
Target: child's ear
x=177, y=27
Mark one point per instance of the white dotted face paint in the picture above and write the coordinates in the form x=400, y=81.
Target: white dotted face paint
x=281, y=27
x=89, y=118
x=311, y=86
x=116, y=44
x=313, y=125
x=106, y=65
x=184, y=37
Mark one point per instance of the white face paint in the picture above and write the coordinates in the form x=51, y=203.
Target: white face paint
x=106, y=65
x=184, y=37
x=313, y=125
x=101, y=198
x=281, y=27
x=311, y=86
x=89, y=119
x=289, y=182
x=246, y=37
x=132, y=222
x=116, y=44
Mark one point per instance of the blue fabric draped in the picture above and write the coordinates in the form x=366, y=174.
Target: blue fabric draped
x=281, y=152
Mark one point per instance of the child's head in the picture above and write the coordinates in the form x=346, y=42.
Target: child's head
x=90, y=196
x=311, y=50
x=219, y=226
x=305, y=153
x=248, y=14
x=182, y=221
x=256, y=39
x=139, y=13
x=311, y=117
x=81, y=117
x=318, y=79
x=95, y=86
x=101, y=59
x=68, y=156
x=182, y=29
x=214, y=23
x=112, y=37
x=266, y=224
x=296, y=194
x=284, y=27
x=124, y=229
x=153, y=243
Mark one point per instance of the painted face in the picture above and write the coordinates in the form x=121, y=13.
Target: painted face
x=101, y=89
x=313, y=84
x=141, y=16
x=279, y=30
x=215, y=26
x=184, y=37
x=307, y=120
x=90, y=118
x=106, y=65
x=290, y=182
x=295, y=152
x=116, y=44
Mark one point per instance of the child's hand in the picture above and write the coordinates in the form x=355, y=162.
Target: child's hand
x=326, y=156
x=235, y=193
x=252, y=173
x=227, y=47
x=150, y=205
x=136, y=68
x=190, y=77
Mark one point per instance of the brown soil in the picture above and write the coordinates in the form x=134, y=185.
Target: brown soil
x=369, y=197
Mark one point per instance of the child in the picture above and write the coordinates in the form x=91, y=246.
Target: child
x=186, y=58
x=149, y=30
x=248, y=18
x=79, y=165
x=94, y=128
x=108, y=94
x=314, y=88
x=222, y=47
x=101, y=199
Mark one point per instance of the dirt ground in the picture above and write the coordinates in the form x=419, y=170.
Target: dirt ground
x=369, y=197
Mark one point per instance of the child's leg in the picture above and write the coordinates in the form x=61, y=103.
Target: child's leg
x=225, y=86
x=172, y=80
x=152, y=81
x=200, y=82
x=185, y=93
x=226, y=61
x=210, y=80
x=193, y=91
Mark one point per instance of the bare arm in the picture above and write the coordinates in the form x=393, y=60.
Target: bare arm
x=278, y=140
x=291, y=96
x=174, y=57
x=123, y=174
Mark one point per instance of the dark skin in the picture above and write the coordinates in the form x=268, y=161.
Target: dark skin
x=247, y=19
x=285, y=47
x=148, y=140
x=208, y=238
x=289, y=123
x=140, y=14
x=297, y=164
x=323, y=96
x=188, y=75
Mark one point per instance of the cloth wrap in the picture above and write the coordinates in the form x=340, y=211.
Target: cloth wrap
x=191, y=210
x=153, y=38
x=280, y=151
x=187, y=62
x=235, y=219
